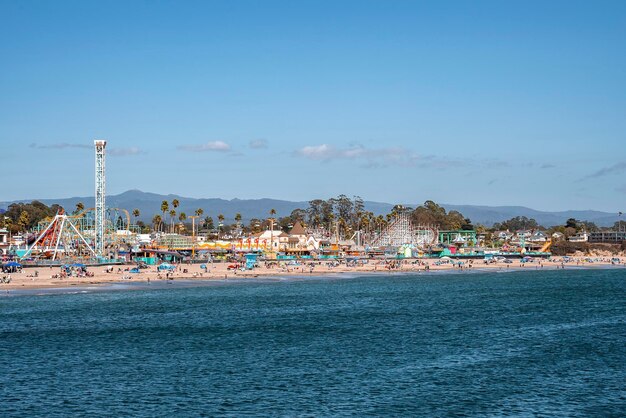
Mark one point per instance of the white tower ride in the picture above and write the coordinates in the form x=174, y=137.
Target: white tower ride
x=100, y=195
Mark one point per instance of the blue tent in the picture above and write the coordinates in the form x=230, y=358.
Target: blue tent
x=78, y=265
x=165, y=266
x=13, y=264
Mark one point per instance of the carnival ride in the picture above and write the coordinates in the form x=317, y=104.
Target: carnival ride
x=74, y=235
x=401, y=231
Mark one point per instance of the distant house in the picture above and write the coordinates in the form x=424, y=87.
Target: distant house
x=503, y=235
x=557, y=236
x=579, y=237
x=538, y=236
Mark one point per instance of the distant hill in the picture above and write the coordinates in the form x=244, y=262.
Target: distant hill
x=488, y=215
x=149, y=205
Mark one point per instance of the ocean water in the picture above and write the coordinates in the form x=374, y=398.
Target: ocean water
x=480, y=344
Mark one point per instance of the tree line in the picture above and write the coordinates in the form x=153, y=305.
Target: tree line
x=341, y=214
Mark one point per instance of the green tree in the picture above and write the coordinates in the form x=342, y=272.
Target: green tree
x=165, y=206
x=517, y=223
x=255, y=225
x=172, y=216
x=199, y=212
x=8, y=223
x=36, y=210
x=175, y=204
x=182, y=218
x=156, y=222
x=136, y=214
x=23, y=221
x=80, y=206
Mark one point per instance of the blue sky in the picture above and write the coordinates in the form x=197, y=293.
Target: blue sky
x=495, y=103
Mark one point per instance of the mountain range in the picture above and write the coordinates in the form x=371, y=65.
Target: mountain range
x=149, y=204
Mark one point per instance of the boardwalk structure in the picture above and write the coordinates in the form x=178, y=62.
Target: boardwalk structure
x=401, y=231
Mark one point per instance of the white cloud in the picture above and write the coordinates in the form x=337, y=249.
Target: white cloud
x=386, y=156
x=60, y=145
x=123, y=152
x=317, y=152
x=218, y=146
x=606, y=171
x=258, y=144
x=371, y=157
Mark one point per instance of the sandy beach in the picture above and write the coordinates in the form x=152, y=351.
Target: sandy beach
x=46, y=277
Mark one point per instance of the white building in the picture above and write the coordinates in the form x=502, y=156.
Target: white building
x=4, y=241
x=579, y=237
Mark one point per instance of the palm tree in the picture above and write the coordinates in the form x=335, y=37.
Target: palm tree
x=272, y=219
x=156, y=222
x=198, y=213
x=380, y=221
x=172, y=215
x=136, y=214
x=182, y=217
x=220, y=218
x=331, y=221
x=238, y=225
x=165, y=206
x=175, y=205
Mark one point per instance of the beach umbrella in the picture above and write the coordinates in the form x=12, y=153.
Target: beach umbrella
x=13, y=264
x=446, y=258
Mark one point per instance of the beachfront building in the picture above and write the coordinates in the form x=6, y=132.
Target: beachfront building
x=4, y=241
x=579, y=237
x=301, y=242
x=273, y=240
x=174, y=241
x=608, y=237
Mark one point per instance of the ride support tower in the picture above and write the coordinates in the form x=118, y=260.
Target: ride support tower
x=100, y=197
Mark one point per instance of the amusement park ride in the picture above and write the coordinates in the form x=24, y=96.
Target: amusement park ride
x=88, y=234
x=401, y=231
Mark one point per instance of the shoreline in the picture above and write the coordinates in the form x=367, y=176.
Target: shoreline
x=192, y=275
